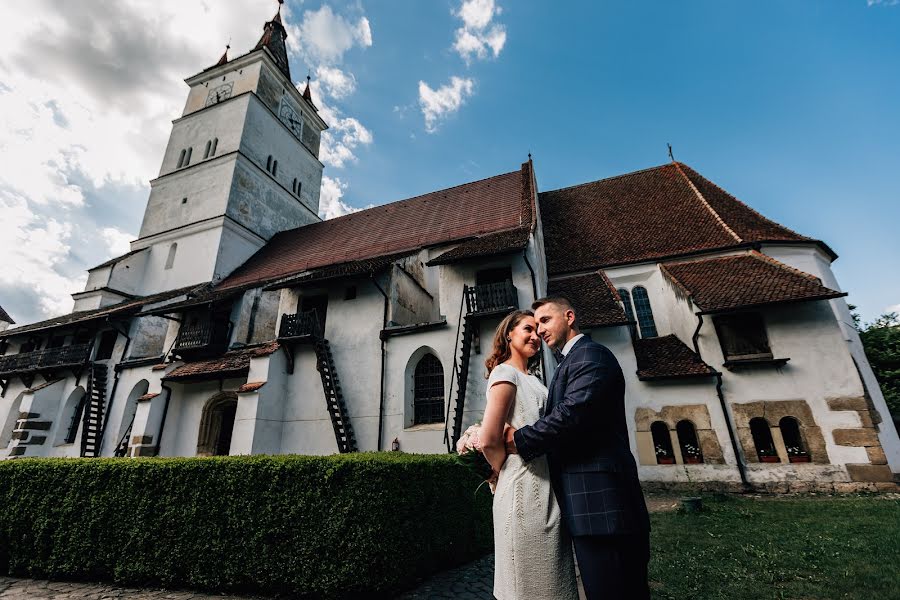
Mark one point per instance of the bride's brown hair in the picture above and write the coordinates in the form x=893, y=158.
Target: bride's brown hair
x=500, y=352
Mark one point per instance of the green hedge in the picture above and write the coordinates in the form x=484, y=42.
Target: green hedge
x=330, y=527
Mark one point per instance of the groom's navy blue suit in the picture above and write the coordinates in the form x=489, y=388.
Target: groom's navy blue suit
x=585, y=438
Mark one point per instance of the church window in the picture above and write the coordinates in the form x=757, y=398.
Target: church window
x=184, y=200
x=793, y=439
x=644, y=312
x=187, y=159
x=275, y=167
x=762, y=440
x=743, y=336
x=299, y=187
x=217, y=425
x=629, y=311
x=662, y=443
x=687, y=440
x=350, y=292
x=215, y=144
x=181, y=159
x=170, y=259
x=74, y=409
x=428, y=398
x=294, y=186
x=269, y=164
x=208, y=148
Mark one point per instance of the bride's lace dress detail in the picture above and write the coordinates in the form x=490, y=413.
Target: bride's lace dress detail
x=532, y=551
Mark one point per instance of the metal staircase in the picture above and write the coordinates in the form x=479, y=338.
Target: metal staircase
x=492, y=299
x=92, y=420
x=334, y=400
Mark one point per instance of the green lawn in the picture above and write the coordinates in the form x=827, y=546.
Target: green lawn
x=811, y=547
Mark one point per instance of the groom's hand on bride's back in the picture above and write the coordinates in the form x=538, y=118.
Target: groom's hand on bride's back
x=508, y=439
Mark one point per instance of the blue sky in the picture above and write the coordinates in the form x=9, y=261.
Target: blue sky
x=790, y=106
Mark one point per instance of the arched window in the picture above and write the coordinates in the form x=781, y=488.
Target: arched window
x=208, y=148
x=687, y=440
x=662, y=443
x=629, y=311
x=428, y=395
x=214, y=146
x=793, y=440
x=269, y=164
x=762, y=439
x=187, y=159
x=70, y=419
x=299, y=186
x=294, y=185
x=275, y=167
x=170, y=259
x=181, y=159
x=217, y=425
x=128, y=415
x=644, y=313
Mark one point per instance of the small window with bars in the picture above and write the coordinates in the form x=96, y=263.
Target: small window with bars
x=428, y=398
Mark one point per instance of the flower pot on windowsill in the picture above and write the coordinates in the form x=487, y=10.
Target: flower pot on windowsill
x=665, y=460
x=769, y=459
x=693, y=460
x=800, y=458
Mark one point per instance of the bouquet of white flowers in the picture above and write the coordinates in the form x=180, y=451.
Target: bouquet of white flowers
x=468, y=450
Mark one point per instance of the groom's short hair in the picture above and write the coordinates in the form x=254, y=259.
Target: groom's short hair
x=561, y=301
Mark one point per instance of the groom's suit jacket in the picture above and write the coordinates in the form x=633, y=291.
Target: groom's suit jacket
x=585, y=438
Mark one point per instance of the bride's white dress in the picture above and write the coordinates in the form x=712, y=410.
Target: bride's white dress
x=532, y=550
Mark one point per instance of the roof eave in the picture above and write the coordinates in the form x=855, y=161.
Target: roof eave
x=714, y=311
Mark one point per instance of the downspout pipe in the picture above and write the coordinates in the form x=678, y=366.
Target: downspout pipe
x=383, y=352
x=728, y=425
x=162, y=423
x=115, y=385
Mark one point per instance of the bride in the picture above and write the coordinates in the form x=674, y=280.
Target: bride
x=532, y=551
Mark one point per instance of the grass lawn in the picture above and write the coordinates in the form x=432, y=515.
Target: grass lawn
x=805, y=547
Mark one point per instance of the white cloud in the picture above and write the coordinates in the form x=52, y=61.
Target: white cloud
x=478, y=37
x=336, y=83
x=118, y=241
x=883, y=2
x=325, y=36
x=895, y=308
x=331, y=204
x=437, y=104
x=344, y=134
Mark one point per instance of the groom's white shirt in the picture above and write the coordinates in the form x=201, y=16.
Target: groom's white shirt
x=571, y=343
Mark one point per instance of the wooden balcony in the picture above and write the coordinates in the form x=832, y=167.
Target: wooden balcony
x=300, y=326
x=208, y=337
x=45, y=360
x=491, y=298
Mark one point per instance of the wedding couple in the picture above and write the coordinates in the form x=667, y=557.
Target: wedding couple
x=563, y=467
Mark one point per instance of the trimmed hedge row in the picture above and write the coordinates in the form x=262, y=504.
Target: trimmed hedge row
x=319, y=527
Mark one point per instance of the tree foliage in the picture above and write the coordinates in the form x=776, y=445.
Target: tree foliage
x=881, y=341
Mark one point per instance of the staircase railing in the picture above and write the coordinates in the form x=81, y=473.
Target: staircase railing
x=334, y=399
x=91, y=433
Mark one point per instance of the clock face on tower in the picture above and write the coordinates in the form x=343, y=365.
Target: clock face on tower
x=219, y=93
x=291, y=118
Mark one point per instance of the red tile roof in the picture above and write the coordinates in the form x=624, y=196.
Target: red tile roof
x=596, y=300
x=122, y=309
x=657, y=213
x=504, y=242
x=231, y=364
x=668, y=357
x=743, y=281
x=495, y=204
x=355, y=268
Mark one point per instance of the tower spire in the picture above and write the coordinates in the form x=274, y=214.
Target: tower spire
x=224, y=58
x=273, y=37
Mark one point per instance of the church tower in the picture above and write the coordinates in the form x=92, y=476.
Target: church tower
x=241, y=165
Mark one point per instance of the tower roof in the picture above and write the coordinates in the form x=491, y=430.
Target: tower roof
x=273, y=38
x=224, y=58
x=308, y=94
x=4, y=316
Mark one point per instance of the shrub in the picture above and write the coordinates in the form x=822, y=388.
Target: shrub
x=329, y=527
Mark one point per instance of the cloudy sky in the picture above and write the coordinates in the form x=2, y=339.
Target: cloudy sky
x=791, y=106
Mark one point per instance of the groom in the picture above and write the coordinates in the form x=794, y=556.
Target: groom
x=594, y=475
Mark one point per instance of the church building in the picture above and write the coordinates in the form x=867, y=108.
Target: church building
x=241, y=323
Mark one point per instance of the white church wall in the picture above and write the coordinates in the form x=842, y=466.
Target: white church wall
x=182, y=427
x=193, y=260
x=259, y=419
x=813, y=260
x=127, y=274
x=265, y=135
x=148, y=336
x=235, y=246
x=242, y=74
x=219, y=122
x=98, y=278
